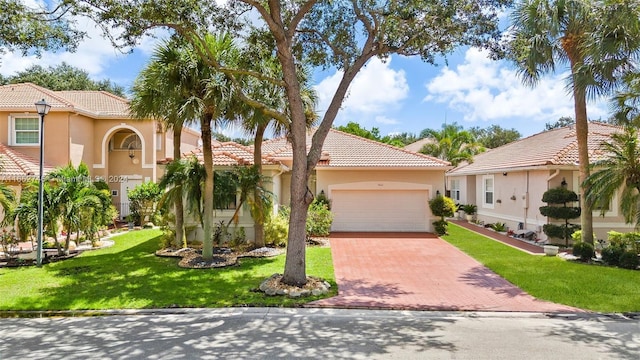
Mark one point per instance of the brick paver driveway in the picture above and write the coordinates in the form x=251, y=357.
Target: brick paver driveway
x=419, y=272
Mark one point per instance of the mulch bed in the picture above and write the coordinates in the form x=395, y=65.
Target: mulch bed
x=222, y=257
x=18, y=262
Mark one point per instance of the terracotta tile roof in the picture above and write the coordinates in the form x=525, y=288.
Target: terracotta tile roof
x=18, y=167
x=230, y=154
x=341, y=149
x=101, y=103
x=550, y=148
x=21, y=97
x=418, y=145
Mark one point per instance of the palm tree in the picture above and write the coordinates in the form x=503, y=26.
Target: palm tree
x=452, y=143
x=207, y=96
x=595, y=40
x=74, y=194
x=27, y=211
x=7, y=202
x=160, y=91
x=249, y=183
x=619, y=171
x=184, y=178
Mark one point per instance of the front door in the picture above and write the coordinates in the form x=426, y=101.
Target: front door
x=125, y=187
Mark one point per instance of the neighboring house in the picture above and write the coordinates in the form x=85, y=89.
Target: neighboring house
x=419, y=144
x=93, y=127
x=371, y=186
x=507, y=183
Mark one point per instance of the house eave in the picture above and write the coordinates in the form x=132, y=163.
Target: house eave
x=377, y=168
x=512, y=169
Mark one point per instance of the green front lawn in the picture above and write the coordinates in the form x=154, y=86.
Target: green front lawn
x=129, y=276
x=591, y=287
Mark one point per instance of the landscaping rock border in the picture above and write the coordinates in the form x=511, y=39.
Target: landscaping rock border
x=273, y=286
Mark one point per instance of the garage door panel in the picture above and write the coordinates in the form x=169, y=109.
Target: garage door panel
x=380, y=210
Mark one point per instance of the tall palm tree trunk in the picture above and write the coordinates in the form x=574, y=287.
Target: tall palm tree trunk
x=582, y=132
x=207, y=154
x=258, y=225
x=178, y=203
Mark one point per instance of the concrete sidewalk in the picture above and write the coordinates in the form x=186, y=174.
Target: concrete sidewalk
x=420, y=272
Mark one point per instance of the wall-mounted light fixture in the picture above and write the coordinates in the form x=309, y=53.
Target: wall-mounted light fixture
x=132, y=154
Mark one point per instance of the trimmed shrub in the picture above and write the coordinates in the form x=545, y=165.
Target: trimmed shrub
x=629, y=260
x=319, y=219
x=584, y=251
x=442, y=206
x=440, y=227
x=611, y=255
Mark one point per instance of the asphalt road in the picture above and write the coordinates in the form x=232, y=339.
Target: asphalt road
x=259, y=333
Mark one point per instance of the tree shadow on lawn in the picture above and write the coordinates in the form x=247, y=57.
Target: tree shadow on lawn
x=136, y=278
x=484, y=278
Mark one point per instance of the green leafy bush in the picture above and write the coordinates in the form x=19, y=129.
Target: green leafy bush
x=611, y=255
x=629, y=260
x=276, y=229
x=144, y=198
x=319, y=219
x=584, y=251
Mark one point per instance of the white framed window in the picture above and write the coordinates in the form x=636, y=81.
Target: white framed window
x=131, y=142
x=24, y=130
x=487, y=191
x=454, y=187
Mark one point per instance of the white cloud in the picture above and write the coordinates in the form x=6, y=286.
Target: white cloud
x=376, y=89
x=483, y=89
x=92, y=55
x=381, y=119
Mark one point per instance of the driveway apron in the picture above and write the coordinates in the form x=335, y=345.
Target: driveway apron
x=419, y=272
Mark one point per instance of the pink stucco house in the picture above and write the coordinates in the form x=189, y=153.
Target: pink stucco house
x=507, y=183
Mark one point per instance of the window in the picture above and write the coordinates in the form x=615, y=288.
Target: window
x=225, y=191
x=455, y=190
x=25, y=131
x=487, y=188
x=131, y=142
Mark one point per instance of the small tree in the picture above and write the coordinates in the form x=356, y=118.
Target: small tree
x=557, y=199
x=442, y=206
x=144, y=198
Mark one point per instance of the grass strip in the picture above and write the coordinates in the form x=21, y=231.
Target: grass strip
x=591, y=287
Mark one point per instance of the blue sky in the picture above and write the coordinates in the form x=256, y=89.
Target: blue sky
x=399, y=95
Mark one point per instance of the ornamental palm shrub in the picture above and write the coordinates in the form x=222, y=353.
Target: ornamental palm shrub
x=557, y=200
x=442, y=207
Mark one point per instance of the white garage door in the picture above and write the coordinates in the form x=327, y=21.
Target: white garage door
x=380, y=210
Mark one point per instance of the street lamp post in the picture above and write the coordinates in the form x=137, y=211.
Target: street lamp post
x=43, y=109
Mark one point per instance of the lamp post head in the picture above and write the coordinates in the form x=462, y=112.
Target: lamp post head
x=42, y=107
